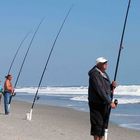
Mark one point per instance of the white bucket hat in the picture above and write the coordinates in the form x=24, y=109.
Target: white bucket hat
x=101, y=60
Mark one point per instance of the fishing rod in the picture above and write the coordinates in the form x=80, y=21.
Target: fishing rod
x=30, y=44
x=118, y=60
x=20, y=45
x=29, y=115
x=121, y=42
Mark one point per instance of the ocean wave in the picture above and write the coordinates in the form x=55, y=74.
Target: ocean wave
x=135, y=126
x=128, y=90
x=121, y=100
x=54, y=90
x=120, y=90
x=125, y=115
x=125, y=94
x=80, y=98
x=124, y=100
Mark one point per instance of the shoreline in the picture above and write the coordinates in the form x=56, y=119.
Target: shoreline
x=50, y=122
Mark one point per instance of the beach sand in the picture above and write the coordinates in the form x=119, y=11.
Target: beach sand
x=50, y=123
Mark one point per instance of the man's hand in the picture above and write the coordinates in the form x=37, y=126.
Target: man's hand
x=13, y=92
x=113, y=105
x=114, y=84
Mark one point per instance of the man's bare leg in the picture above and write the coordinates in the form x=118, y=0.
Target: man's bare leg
x=98, y=138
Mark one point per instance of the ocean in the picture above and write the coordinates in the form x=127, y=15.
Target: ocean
x=127, y=114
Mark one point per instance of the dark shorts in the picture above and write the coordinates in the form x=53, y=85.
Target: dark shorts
x=98, y=118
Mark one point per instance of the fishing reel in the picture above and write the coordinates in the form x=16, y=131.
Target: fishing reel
x=14, y=94
x=38, y=97
x=116, y=102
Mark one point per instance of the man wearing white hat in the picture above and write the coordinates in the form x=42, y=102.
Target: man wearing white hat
x=99, y=97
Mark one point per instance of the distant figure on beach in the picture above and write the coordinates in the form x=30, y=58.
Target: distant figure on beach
x=1, y=92
x=99, y=97
x=8, y=91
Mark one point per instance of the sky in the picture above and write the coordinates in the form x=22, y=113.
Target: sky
x=93, y=29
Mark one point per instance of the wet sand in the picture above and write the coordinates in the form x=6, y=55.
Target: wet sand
x=50, y=123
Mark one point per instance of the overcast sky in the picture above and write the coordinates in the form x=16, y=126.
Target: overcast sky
x=92, y=29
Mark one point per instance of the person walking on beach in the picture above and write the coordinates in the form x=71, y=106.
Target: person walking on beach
x=8, y=91
x=99, y=97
